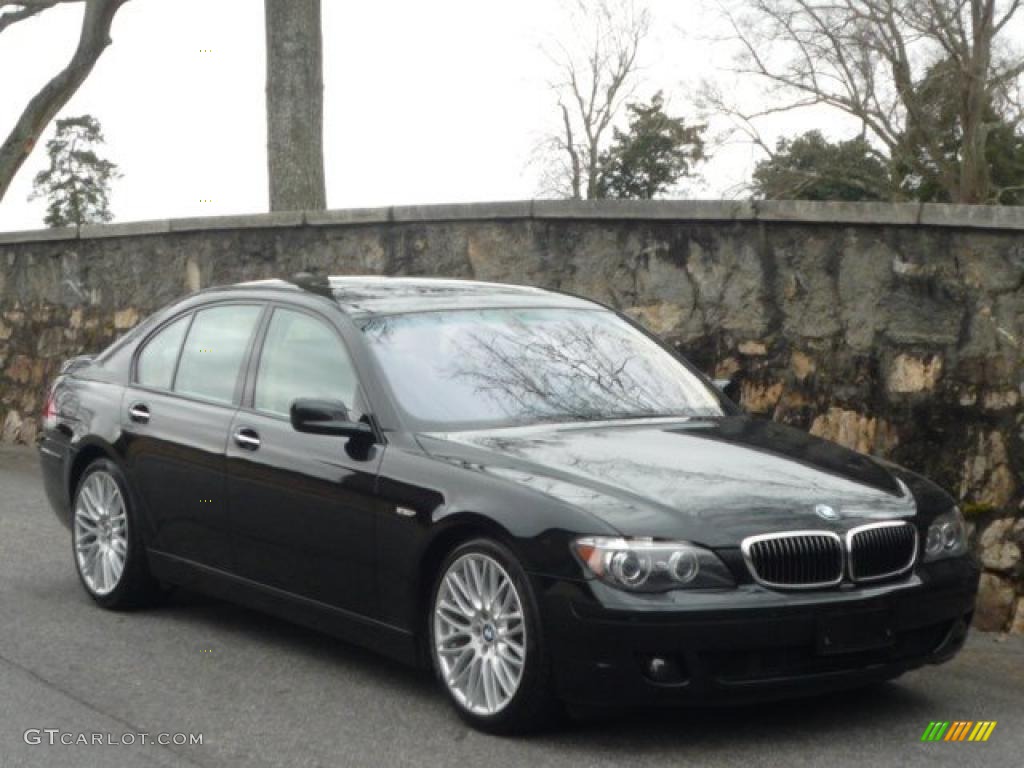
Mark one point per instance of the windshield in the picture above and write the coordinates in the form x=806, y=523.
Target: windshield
x=467, y=369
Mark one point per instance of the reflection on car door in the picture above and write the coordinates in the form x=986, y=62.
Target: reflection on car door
x=175, y=420
x=302, y=505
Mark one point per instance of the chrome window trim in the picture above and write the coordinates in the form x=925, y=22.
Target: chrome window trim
x=850, y=534
x=749, y=541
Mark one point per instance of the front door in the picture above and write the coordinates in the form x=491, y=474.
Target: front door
x=303, y=506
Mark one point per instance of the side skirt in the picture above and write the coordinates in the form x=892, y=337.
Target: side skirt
x=388, y=640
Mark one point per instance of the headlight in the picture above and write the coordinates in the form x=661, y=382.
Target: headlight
x=947, y=536
x=645, y=565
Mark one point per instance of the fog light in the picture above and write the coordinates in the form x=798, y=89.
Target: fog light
x=665, y=670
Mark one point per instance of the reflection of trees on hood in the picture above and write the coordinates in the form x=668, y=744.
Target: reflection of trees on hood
x=570, y=368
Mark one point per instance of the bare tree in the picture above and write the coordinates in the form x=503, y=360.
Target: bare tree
x=874, y=60
x=295, y=105
x=592, y=83
x=44, y=106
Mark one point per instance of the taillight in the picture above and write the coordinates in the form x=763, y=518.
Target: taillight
x=50, y=411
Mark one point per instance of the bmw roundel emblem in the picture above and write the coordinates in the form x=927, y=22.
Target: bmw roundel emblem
x=825, y=512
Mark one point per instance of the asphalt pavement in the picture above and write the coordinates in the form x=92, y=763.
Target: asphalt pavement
x=262, y=692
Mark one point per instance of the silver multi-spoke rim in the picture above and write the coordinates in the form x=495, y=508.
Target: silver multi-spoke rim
x=479, y=634
x=101, y=533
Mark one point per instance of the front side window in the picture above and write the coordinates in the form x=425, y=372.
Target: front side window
x=502, y=367
x=214, y=349
x=302, y=358
x=155, y=367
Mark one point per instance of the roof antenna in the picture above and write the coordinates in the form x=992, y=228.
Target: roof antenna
x=312, y=282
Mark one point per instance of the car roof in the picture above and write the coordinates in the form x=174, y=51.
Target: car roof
x=362, y=296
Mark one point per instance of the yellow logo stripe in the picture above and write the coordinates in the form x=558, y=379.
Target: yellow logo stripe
x=983, y=730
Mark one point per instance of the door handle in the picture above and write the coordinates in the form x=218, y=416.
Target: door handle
x=139, y=412
x=247, y=438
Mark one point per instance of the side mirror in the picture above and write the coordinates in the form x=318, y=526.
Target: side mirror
x=326, y=417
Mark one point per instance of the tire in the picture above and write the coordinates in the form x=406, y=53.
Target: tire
x=106, y=541
x=464, y=633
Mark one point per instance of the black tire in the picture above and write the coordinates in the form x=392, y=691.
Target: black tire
x=533, y=705
x=136, y=587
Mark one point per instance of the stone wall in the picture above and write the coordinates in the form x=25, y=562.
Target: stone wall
x=896, y=330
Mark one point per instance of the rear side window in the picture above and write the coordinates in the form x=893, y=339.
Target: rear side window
x=302, y=357
x=213, y=351
x=156, y=362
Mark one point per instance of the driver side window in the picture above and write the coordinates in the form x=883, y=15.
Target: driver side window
x=302, y=357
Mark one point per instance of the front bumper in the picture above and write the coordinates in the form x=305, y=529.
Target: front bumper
x=751, y=643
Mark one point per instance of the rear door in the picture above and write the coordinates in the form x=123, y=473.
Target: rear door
x=186, y=385
x=303, y=506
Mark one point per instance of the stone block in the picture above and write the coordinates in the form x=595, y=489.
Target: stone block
x=126, y=229
x=998, y=552
x=1007, y=217
x=11, y=428
x=910, y=374
x=462, y=212
x=995, y=603
x=246, y=221
x=837, y=212
x=1017, y=627
x=347, y=216
x=802, y=365
x=678, y=210
x=753, y=348
x=39, y=235
x=860, y=432
x=126, y=318
x=760, y=397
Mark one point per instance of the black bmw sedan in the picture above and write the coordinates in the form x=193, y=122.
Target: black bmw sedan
x=521, y=489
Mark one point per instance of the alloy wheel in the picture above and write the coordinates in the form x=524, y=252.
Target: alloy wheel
x=479, y=634
x=101, y=533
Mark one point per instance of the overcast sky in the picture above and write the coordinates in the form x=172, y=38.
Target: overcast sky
x=425, y=102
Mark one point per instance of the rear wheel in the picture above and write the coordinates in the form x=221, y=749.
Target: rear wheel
x=107, y=545
x=486, y=641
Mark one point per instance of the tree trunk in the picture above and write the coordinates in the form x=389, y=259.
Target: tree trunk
x=975, y=179
x=44, y=106
x=574, y=157
x=295, y=105
x=592, y=174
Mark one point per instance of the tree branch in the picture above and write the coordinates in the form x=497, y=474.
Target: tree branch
x=26, y=10
x=1014, y=7
x=93, y=40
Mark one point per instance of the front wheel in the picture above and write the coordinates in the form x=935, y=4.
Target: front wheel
x=486, y=640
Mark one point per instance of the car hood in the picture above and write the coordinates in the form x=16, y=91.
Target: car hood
x=713, y=482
